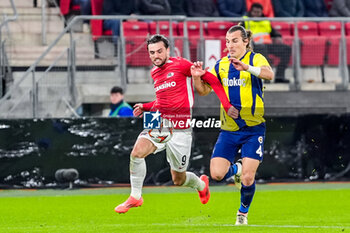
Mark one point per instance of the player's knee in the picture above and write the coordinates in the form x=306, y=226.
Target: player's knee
x=136, y=153
x=215, y=175
x=248, y=178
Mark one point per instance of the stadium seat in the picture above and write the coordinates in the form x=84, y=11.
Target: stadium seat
x=347, y=28
x=136, y=34
x=163, y=28
x=178, y=50
x=65, y=7
x=218, y=28
x=283, y=28
x=97, y=24
x=193, y=29
x=329, y=28
x=333, y=50
x=313, y=50
x=307, y=29
x=138, y=28
x=289, y=40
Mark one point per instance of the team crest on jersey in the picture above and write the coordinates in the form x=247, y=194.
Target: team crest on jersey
x=260, y=139
x=171, y=74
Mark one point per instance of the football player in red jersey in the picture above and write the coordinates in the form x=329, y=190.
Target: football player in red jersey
x=174, y=100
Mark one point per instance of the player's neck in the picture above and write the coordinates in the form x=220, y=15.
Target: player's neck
x=241, y=55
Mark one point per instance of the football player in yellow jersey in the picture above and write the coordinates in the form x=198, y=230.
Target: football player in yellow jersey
x=241, y=74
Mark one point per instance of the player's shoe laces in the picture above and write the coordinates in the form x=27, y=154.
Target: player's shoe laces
x=242, y=219
x=125, y=206
x=236, y=178
x=204, y=195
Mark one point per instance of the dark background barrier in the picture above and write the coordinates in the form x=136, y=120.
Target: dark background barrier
x=312, y=147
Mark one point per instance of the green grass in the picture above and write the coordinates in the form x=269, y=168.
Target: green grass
x=321, y=207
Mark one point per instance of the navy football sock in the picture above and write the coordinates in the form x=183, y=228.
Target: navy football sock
x=247, y=193
x=231, y=171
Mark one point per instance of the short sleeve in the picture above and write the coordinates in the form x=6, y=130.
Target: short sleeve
x=186, y=67
x=260, y=60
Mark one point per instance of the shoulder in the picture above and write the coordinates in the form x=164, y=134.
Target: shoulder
x=154, y=69
x=221, y=61
x=181, y=63
x=260, y=60
x=258, y=56
x=180, y=60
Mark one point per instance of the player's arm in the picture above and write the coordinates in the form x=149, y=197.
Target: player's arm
x=263, y=72
x=196, y=71
x=139, y=108
x=207, y=77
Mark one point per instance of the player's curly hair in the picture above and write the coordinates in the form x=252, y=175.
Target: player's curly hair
x=246, y=34
x=158, y=38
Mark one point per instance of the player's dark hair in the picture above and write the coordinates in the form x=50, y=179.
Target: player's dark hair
x=117, y=89
x=246, y=34
x=158, y=38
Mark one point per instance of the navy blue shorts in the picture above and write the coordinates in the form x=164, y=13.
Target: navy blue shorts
x=249, y=139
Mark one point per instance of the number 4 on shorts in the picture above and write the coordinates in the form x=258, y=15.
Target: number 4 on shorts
x=259, y=152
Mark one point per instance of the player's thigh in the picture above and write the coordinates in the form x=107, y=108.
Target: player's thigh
x=178, y=150
x=144, y=144
x=227, y=146
x=143, y=147
x=253, y=147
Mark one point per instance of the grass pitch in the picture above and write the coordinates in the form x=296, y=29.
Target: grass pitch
x=310, y=207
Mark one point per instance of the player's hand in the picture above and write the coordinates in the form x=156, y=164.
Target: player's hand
x=233, y=112
x=239, y=65
x=197, y=69
x=138, y=110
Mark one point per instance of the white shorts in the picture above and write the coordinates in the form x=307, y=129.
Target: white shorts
x=178, y=149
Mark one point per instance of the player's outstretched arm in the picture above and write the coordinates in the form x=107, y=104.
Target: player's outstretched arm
x=197, y=71
x=263, y=72
x=199, y=74
x=139, y=108
x=220, y=92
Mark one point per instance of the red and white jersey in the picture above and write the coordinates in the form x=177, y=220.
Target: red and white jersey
x=174, y=91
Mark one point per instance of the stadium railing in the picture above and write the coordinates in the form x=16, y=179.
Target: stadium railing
x=4, y=64
x=191, y=38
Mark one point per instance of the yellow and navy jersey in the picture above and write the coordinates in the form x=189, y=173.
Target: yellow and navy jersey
x=244, y=90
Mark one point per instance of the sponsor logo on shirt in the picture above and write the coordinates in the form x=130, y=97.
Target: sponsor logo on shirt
x=169, y=75
x=233, y=82
x=165, y=85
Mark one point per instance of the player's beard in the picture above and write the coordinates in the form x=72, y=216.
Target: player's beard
x=164, y=61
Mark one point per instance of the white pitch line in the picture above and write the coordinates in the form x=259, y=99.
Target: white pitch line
x=269, y=226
